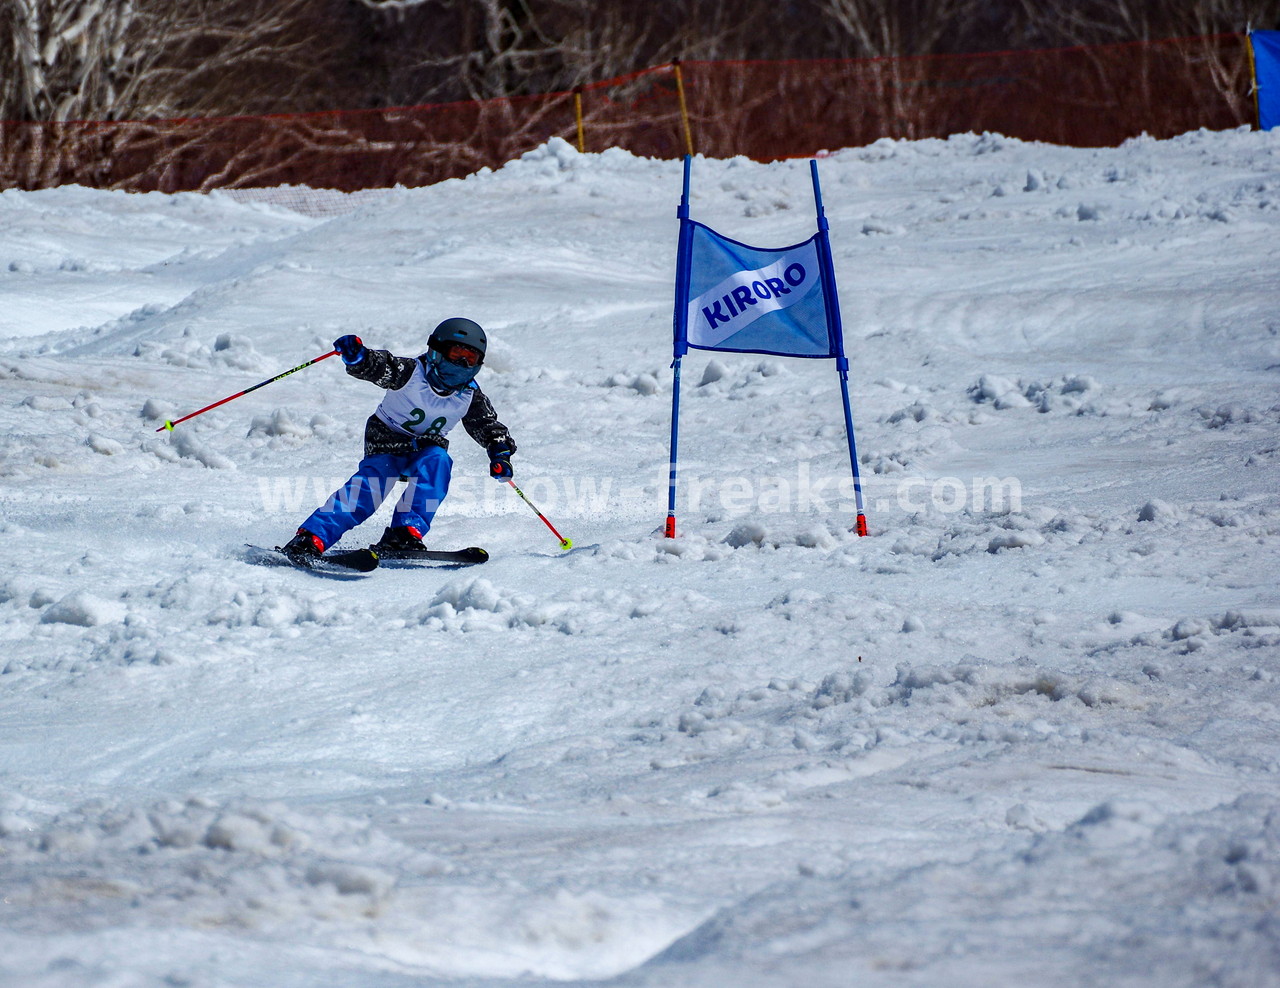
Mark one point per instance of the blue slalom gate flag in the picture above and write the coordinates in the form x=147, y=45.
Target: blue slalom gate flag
x=736, y=298
x=745, y=299
x=1266, y=71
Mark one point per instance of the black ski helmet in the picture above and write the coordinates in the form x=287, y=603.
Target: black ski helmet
x=445, y=374
x=459, y=330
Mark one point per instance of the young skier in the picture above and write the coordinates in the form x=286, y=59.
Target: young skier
x=404, y=438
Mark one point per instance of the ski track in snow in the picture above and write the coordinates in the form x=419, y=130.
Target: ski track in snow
x=1020, y=735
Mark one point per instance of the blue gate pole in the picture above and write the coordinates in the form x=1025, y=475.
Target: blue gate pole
x=670, y=529
x=680, y=347
x=835, y=333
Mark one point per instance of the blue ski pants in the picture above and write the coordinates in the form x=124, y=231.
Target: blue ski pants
x=427, y=473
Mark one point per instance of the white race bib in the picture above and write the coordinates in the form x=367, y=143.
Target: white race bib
x=416, y=409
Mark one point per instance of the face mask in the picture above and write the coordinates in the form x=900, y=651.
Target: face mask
x=451, y=375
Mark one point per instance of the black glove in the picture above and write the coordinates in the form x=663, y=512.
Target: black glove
x=500, y=460
x=350, y=348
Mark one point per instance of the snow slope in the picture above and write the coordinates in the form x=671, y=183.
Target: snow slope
x=1027, y=732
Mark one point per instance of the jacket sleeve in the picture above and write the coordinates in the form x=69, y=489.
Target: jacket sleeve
x=482, y=425
x=382, y=368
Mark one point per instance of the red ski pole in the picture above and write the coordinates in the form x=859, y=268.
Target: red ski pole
x=239, y=394
x=564, y=543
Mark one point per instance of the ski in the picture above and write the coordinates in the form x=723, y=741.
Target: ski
x=340, y=562
x=459, y=557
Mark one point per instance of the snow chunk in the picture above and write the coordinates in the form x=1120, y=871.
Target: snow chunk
x=103, y=445
x=237, y=352
x=714, y=371
x=1022, y=817
x=1157, y=510
x=1117, y=822
x=190, y=448
x=747, y=533
x=352, y=879
x=645, y=384
x=556, y=155
x=881, y=228
x=278, y=423
x=1239, y=620
x=1188, y=628
x=236, y=832
x=1015, y=540
x=154, y=410
x=1000, y=390
x=814, y=535
x=478, y=594
x=45, y=403
x=1225, y=415
x=478, y=605
x=85, y=610
x=842, y=687
x=918, y=411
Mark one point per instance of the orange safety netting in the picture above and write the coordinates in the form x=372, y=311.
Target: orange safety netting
x=765, y=110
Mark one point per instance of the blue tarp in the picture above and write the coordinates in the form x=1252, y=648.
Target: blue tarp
x=1266, y=63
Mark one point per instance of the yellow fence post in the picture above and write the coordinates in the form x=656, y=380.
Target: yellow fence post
x=1253, y=78
x=684, y=108
x=577, y=113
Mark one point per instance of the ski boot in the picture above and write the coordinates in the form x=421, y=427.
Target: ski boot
x=399, y=540
x=302, y=546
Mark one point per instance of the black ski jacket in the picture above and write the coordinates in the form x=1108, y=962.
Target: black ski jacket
x=390, y=372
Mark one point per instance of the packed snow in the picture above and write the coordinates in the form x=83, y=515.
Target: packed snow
x=1027, y=732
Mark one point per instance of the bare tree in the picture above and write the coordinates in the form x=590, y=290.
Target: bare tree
x=481, y=49
x=238, y=60
x=432, y=50
x=1191, y=29
x=64, y=59
x=1093, y=22
x=892, y=87
x=224, y=57
x=879, y=28
x=135, y=59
